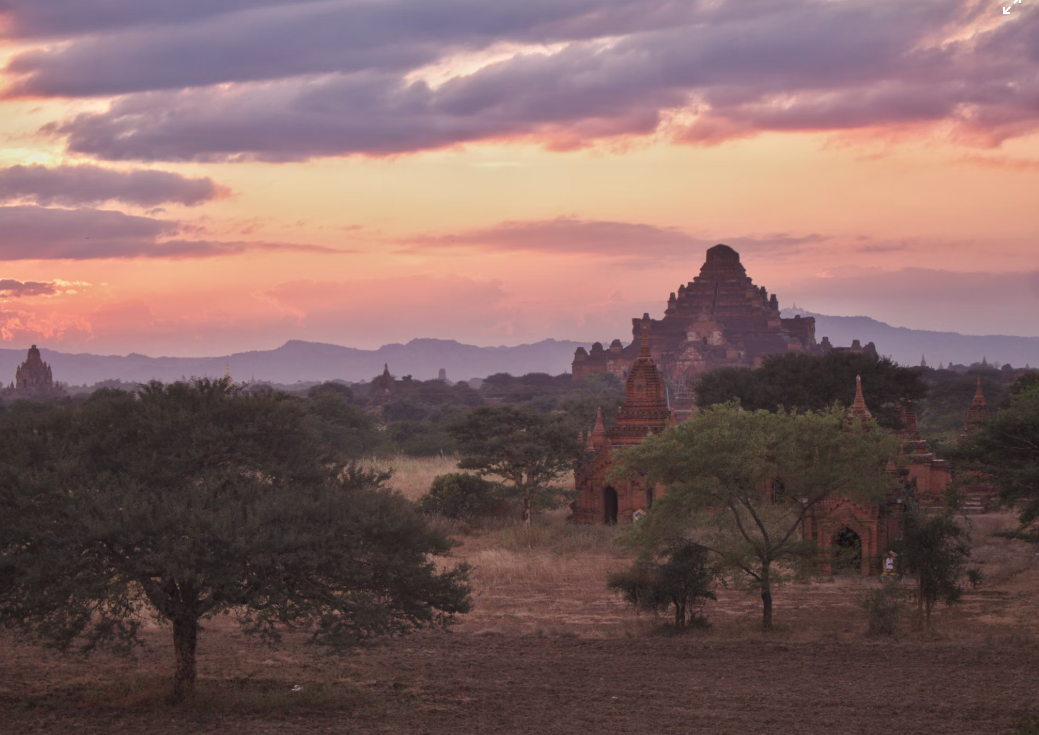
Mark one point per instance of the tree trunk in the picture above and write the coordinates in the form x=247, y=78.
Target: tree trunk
x=766, y=600
x=526, y=510
x=920, y=606
x=185, y=637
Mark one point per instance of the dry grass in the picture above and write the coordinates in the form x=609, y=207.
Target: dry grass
x=412, y=476
x=1000, y=559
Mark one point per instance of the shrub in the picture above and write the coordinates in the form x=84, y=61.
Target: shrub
x=884, y=606
x=680, y=577
x=462, y=496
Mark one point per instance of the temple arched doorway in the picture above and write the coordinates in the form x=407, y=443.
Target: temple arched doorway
x=609, y=497
x=847, y=550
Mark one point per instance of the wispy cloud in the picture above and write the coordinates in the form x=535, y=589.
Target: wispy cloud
x=42, y=233
x=73, y=186
x=613, y=240
x=13, y=289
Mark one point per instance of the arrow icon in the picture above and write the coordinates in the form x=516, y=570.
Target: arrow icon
x=1006, y=11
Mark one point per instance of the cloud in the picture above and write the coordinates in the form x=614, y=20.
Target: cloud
x=276, y=40
x=26, y=19
x=40, y=233
x=71, y=186
x=18, y=324
x=12, y=289
x=579, y=72
x=624, y=240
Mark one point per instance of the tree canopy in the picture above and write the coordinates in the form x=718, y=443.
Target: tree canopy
x=812, y=383
x=527, y=450
x=185, y=501
x=1004, y=450
x=724, y=467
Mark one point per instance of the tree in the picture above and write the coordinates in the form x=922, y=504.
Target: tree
x=342, y=425
x=526, y=449
x=463, y=496
x=186, y=501
x=936, y=549
x=814, y=383
x=1004, y=450
x=719, y=467
x=681, y=576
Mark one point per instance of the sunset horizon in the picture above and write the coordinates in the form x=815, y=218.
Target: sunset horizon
x=186, y=180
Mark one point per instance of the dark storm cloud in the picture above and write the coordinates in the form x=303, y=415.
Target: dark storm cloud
x=12, y=289
x=295, y=90
x=28, y=19
x=79, y=185
x=286, y=40
x=39, y=233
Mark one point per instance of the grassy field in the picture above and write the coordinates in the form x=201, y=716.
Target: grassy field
x=548, y=649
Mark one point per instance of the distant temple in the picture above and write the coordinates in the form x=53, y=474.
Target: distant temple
x=33, y=380
x=718, y=319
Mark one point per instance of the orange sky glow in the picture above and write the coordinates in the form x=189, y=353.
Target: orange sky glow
x=187, y=179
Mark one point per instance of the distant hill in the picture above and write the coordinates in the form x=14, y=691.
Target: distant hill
x=309, y=361
x=422, y=358
x=906, y=346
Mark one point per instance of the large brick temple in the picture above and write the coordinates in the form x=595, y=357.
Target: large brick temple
x=33, y=380
x=718, y=319
x=836, y=525
x=645, y=411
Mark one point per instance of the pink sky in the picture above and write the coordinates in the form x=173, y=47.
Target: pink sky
x=192, y=177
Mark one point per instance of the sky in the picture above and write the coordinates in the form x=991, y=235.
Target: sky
x=184, y=177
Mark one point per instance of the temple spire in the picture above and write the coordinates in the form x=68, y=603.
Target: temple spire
x=644, y=347
x=978, y=408
x=858, y=408
x=598, y=436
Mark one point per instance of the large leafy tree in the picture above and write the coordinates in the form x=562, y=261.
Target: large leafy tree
x=814, y=383
x=342, y=424
x=525, y=449
x=723, y=468
x=1004, y=450
x=185, y=501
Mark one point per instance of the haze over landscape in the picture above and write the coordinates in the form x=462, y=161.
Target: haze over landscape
x=191, y=179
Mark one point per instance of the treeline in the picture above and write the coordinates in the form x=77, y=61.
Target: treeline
x=940, y=397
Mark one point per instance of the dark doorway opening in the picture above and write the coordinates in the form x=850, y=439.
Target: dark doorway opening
x=609, y=496
x=649, y=498
x=847, y=551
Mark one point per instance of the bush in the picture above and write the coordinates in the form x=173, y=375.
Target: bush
x=462, y=496
x=681, y=577
x=884, y=606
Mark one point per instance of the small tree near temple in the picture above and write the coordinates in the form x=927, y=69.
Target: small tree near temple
x=936, y=549
x=1004, y=450
x=191, y=500
x=525, y=449
x=719, y=464
x=681, y=577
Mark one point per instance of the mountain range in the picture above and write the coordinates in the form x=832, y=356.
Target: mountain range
x=910, y=346
x=297, y=361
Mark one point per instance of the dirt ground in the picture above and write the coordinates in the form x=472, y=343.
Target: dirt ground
x=548, y=650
